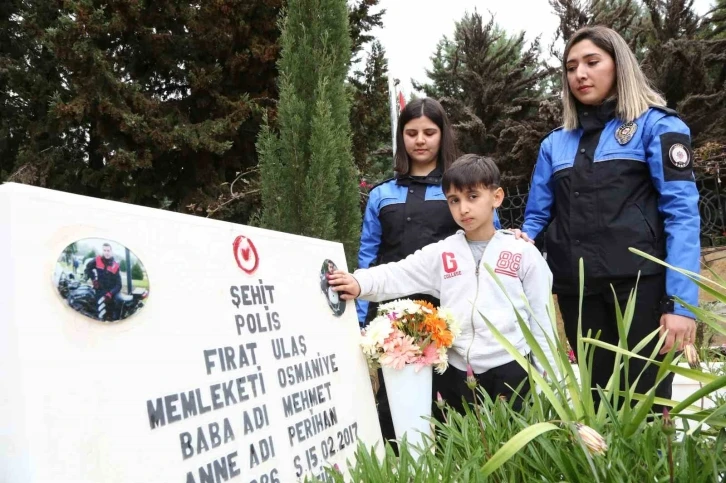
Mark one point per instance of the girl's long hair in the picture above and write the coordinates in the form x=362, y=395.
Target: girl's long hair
x=433, y=110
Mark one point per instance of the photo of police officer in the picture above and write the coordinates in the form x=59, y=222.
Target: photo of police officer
x=101, y=279
x=334, y=302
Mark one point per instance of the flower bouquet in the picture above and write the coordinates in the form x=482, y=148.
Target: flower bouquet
x=407, y=339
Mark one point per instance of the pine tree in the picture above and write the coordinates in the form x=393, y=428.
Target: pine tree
x=370, y=117
x=716, y=26
x=688, y=67
x=11, y=130
x=444, y=64
x=362, y=21
x=29, y=77
x=307, y=173
x=156, y=103
x=493, y=86
x=627, y=17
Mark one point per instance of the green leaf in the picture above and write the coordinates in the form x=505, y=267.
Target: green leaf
x=516, y=443
x=709, y=388
x=563, y=411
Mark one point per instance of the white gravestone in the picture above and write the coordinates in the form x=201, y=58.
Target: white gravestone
x=236, y=367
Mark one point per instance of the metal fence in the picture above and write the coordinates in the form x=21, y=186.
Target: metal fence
x=711, y=206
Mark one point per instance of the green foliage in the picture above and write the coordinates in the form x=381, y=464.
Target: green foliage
x=716, y=27
x=91, y=254
x=627, y=17
x=145, y=102
x=621, y=440
x=530, y=451
x=70, y=250
x=362, y=20
x=122, y=265
x=137, y=273
x=308, y=177
x=493, y=86
x=370, y=118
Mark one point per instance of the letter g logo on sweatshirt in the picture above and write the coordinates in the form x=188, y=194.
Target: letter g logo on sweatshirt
x=450, y=264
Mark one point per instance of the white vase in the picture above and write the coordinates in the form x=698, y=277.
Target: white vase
x=409, y=397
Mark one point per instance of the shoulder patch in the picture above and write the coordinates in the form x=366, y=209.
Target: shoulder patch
x=677, y=156
x=667, y=110
x=547, y=135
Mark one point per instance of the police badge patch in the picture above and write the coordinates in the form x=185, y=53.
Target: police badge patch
x=625, y=132
x=676, y=156
x=679, y=156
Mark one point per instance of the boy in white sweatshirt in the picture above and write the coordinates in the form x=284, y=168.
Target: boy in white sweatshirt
x=453, y=271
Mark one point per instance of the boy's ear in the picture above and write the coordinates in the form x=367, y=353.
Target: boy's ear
x=498, y=197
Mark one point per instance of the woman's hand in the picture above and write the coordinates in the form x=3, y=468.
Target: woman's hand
x=681, y=331
x=345, y=284
x=520, y=234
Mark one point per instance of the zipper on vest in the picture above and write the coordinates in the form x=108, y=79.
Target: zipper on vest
x=473, y=310
x=473, y=304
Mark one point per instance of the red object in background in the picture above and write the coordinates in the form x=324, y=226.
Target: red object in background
x=401, y=101
x=245, y=254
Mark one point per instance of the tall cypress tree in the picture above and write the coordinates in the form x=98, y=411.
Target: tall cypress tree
x=309, y=181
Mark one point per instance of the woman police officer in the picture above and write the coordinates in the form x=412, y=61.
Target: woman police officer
x=618, y=174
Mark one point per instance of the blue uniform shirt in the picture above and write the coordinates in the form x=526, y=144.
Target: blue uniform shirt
x=596, y=202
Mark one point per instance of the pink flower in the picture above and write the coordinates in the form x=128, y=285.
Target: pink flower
x=398, y=350
x=429, y=357
x=440, y=403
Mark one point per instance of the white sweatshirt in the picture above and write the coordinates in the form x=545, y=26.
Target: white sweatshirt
x=448, y=271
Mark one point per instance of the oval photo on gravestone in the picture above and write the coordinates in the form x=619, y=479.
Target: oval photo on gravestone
x=101, y=279
x=336, y=304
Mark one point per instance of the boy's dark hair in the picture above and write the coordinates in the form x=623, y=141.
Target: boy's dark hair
x=433, y=110
x=471, y=171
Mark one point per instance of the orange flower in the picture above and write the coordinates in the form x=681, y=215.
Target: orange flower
x=442, y=339
x=427, y=305
x=438, y=330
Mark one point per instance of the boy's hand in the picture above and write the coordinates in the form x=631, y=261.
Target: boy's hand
x=345, y=284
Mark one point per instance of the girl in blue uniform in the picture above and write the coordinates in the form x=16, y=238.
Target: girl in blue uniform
x=618, y=174
x=409, y=211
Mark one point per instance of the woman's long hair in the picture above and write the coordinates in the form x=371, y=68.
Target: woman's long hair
x=433, y=110
x=634, y=92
